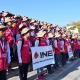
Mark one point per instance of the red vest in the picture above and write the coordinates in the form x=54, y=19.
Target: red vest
x=58, y=49
x=42, y=42
x=66, y=44
x=32, y=40
x=25, y=52
x=3, y=56
x=79, y=44
x=9, y=36
x=14, y=30
x=75, y=45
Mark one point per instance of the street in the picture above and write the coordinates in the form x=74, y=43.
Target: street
x=69, y=72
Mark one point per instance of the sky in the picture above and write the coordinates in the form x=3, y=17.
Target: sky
x=59, y=12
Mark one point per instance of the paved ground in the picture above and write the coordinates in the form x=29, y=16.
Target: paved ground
x=69, y=72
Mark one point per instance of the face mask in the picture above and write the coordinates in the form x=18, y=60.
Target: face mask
x=32, y=33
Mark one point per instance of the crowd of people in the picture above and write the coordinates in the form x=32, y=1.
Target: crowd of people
x=18, y=34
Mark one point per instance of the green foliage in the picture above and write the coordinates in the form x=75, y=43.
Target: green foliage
x=75, y=25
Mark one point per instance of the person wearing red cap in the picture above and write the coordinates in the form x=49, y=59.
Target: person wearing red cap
x=4, y=54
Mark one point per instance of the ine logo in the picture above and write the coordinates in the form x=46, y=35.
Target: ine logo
x=43, y=54
x=36, y=55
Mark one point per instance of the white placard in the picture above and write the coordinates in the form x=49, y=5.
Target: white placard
x=70, y=53
x=42, y=56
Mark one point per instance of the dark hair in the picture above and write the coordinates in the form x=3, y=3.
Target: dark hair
x=5, y=24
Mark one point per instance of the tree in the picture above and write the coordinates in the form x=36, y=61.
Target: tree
x=74, y=25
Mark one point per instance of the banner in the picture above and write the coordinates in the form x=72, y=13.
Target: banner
x=70, y=53
x=42, y=56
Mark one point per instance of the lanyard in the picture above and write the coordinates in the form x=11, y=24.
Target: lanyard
x=2, y=45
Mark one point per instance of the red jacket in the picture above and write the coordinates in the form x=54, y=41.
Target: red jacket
x=25, y=52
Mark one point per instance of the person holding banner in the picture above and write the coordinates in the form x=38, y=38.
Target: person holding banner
x=50, y=42
x=66, y=44
x=57, y=49
x=25, y=56
x=41, y=41
x=63, y=55
x=68, y=49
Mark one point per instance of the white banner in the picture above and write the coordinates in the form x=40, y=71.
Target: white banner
x=70, y=53
x=42, y=56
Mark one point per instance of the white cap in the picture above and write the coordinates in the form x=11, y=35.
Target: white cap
x=4, y=14
x=24, y=31
x=20, y=26
x=25, y=19
x=32, y=21
x=7, y=19
x=2, y=26
x=50, y=35
x=41, y=33
x=57, y=35
x=32, y=27
x=64, y=35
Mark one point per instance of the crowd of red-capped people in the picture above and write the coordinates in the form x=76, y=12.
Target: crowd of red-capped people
x=22, y=33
